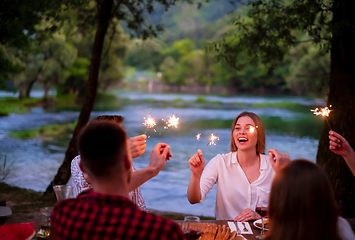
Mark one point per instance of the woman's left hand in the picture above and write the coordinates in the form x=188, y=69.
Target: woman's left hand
x=247, y=215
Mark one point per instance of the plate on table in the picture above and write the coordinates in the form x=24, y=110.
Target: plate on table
x=258, y=224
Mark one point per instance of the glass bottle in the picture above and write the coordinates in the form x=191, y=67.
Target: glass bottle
x=44, y=232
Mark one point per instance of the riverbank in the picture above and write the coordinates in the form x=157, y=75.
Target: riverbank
x=25, y=205
x=117, y=100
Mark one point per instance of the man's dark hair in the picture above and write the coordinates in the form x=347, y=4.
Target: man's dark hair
x=114, y=118
x=101, y=145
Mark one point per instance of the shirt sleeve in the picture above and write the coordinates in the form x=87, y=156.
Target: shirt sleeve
x=345, y=230
x=79, y=183
x=209, y=176
x=136, y=196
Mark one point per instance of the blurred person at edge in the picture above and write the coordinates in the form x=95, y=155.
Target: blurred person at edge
x=302, y=205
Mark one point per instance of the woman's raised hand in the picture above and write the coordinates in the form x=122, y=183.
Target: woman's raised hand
x=277, y=159
x=197, y=163
x=137, y=145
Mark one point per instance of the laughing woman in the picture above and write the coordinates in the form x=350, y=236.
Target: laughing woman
x=244, y=175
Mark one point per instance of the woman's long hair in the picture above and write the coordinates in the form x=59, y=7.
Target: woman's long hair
x=302, y=205
x=260, y=145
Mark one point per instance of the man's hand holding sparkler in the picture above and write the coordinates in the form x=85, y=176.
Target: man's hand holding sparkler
x=197, y=163
x=339, y=146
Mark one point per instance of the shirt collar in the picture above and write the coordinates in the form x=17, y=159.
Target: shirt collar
x=263, y=164
x=106, y=199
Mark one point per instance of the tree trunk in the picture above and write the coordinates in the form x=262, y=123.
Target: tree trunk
x=341, y=97
x=32, y=82
x=20, y=91
x=29, y=87
x=47, y=87
x=104, y=13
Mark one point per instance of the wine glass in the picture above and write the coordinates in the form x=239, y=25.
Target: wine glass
x=191, y=227
x=261, y=209
x=62, y=191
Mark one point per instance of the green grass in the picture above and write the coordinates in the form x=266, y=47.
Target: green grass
x=14, y=105
x=49, y=132
x=201, y=99
x=66, y=100
x=280, y=105
x=178, y=100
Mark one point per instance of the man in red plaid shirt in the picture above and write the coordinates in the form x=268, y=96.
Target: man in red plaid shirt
x=105, y=212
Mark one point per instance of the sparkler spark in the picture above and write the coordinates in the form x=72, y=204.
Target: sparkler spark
x=173, y=122
x=149, y=123
x=251, y=129
x=198, y=136
x=212, y=140
x=324, y=112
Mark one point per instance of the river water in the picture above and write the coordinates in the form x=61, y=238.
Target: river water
x=34, y=162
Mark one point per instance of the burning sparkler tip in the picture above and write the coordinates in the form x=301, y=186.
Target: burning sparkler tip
x=173, y=122
x=198, y=136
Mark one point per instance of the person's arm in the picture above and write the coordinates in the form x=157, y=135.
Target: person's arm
x=339, y=146
x=277, y=159
x=197, y=164
x=78, y=177
x=158, y=157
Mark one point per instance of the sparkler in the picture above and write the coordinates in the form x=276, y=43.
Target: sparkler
x=149, y=123
x=213, y=138
x=198, y=136
x=324, y=112
x=172, y=122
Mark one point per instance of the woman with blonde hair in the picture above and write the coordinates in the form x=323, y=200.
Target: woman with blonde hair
x=243, y=175
x=302, y=205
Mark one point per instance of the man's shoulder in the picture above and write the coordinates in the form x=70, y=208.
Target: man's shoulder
x=122, y=213
x=68, y=203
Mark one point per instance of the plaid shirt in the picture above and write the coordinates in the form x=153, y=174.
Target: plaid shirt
x=79, y=184
x=98, y=216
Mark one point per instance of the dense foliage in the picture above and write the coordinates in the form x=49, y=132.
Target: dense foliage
x=210, y=51
x=55, y=51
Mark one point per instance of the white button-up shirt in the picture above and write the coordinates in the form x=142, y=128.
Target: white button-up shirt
x=234, y=192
